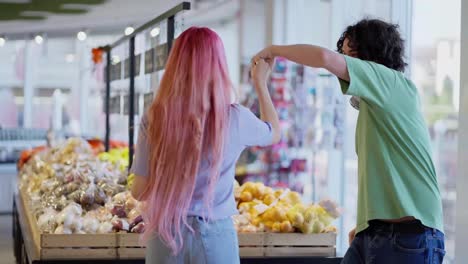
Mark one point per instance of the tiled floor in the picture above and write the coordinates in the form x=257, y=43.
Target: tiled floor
x=6, y=241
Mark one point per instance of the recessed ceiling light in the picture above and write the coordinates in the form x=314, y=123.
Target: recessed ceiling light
x=129, y=30
x=155, y=32
x=81, y=36
x=39, y=39
x=115, y=59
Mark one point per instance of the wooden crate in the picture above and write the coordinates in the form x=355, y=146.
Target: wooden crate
x=129, y=246
x=253, y=245
x=60, y=246
x=287, y=244
x=126, y=245
x=131, y=252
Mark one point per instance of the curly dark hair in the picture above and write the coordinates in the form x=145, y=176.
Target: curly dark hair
x=377, y=41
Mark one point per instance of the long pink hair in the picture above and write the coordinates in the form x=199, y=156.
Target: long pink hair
x=187, y=121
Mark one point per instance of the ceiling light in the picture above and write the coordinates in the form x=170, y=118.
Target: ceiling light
x=129, y=30
x=155, y=32
x=2, y=41
x=81, y=36
x=39, y=39
x=115, y=59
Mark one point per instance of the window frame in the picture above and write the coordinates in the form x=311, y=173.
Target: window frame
x=461, y=236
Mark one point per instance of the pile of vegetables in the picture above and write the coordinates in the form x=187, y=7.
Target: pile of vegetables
x=263, y=209
x=116, y=156
x=73, y=190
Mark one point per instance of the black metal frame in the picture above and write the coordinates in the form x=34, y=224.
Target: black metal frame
x=170, y=13
x=170, y=16
x=170, y=32
x=107, y=99
x=131, y=102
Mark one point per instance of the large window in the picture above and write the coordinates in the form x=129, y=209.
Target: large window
x=435, y=69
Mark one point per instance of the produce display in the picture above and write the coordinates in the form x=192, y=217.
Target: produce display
x=116, y=156
x=74, y=191
x=27, y=154
x=263, y=209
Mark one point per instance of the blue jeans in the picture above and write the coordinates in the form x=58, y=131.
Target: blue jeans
x=381, y=244
x=210, y=243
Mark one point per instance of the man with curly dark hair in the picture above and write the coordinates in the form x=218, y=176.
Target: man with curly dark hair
x=399, y=214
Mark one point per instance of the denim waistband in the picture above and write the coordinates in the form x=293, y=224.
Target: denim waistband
x=409, y=227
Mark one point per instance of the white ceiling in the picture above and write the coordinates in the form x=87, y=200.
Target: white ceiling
x=112, y=15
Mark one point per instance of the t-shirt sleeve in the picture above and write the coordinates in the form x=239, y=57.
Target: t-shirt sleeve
x=140, y=164
x=369, y=81
x=251, y=130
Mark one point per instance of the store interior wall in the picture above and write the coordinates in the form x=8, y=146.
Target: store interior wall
x=252, y=31
x=228, y=32
x=308, y=22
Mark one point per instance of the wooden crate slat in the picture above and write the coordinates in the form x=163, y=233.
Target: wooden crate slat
x=251, y=251
x=77, y=245
x=131, y=253
x=78, y=240
x=298, y=239
x=78, y=253
x=128, y=240
x=251, y=239
x=30, y=236
x=300, y=251
x=138, y=253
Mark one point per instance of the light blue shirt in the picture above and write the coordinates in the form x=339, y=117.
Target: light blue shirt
x=245, y=130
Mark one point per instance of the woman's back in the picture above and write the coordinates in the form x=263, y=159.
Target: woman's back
x=244, y=130
x=189, y=142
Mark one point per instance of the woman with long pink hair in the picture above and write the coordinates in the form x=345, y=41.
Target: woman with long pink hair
x=188, y=145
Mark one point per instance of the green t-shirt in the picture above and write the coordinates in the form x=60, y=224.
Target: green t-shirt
x=396, y=175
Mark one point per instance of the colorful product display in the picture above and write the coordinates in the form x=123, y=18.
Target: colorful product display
x=312, y=120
